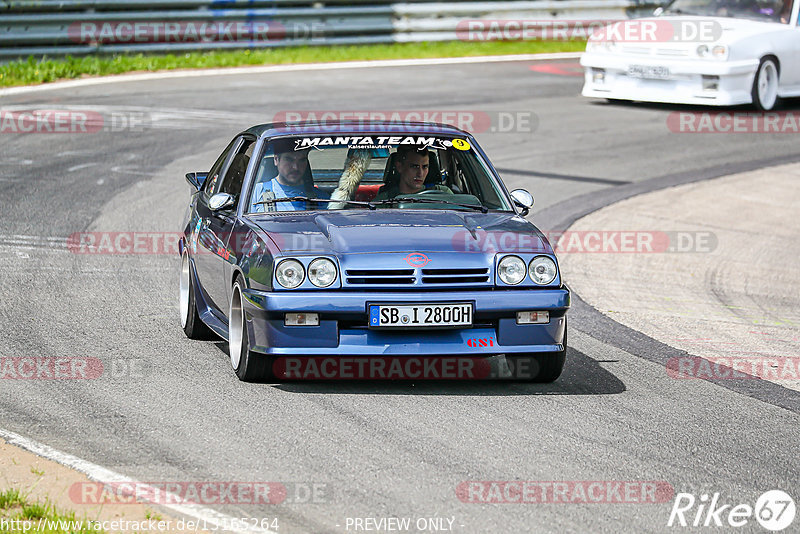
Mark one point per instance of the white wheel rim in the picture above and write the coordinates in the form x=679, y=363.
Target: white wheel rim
x=767, y=85
x=235, y=327
x=184, y=291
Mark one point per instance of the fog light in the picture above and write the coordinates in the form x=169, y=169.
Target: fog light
x=710, y=83
x=533, y=317
x=598, y=75
x=302, y=319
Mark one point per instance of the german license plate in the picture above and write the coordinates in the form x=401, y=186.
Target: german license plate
x=420, y=315
x=648, y=71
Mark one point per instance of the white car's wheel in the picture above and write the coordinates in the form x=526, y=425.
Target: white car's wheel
x=248, y=366
x=765, y=85
x=192, y=325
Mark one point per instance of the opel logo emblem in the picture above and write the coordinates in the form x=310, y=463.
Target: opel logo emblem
x=417, y=259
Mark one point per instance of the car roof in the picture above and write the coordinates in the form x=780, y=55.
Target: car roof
x=273, y=129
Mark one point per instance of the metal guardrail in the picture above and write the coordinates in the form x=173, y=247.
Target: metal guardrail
x=82, y=27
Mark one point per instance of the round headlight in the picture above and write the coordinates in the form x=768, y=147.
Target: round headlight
x=322, y=272
x=702, y=50
x=290, y=273
x=542, y=270
x=511, y=270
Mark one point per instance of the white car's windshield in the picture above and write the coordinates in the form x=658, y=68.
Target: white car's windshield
x=765, y=10
x=381, y=171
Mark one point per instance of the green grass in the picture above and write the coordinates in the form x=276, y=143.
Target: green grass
x=32, y=71
x=15, y=508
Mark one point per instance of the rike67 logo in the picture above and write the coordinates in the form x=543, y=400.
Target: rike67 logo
x=774, y=510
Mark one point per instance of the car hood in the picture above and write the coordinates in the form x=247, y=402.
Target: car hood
x=412, y=230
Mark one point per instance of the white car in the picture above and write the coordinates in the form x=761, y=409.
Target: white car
x=711, y=52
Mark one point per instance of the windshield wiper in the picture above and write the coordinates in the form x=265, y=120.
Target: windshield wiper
x=480, y=207
x=370, y=205
x=373, y=205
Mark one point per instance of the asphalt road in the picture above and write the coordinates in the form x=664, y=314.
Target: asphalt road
x=379, y=449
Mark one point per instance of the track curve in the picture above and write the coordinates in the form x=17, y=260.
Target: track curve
x=378, y=449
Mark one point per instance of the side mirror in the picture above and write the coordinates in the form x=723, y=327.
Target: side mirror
x=221, y=201
x=658, y=11
x=523, y=199
x=197, y=179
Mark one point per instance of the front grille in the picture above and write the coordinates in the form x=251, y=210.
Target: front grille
x=451, y=276
x=673, y=52
x=380, y=276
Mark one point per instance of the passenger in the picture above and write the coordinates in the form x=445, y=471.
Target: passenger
x=411, y=168
x=293, y=180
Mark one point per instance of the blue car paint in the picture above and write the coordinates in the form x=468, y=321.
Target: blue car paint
x=381, y=239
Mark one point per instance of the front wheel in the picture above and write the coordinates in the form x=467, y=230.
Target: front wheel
x=248, y=366
x=765, y=85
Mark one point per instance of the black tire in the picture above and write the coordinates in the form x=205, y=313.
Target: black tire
x=193, y=326
x=765, y=85
x=249, y=366
x=540, y=368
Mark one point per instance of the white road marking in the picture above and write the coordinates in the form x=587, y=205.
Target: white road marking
x=238, y=71
x=81, y=166
x=101, y=474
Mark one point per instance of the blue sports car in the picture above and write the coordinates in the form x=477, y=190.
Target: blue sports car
x=369, y=250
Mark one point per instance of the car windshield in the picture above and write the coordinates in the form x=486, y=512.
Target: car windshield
x=765, y=10
x=378, y=171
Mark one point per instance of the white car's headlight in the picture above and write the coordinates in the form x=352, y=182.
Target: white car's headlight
x=290, y=273
x=322, y=272
x=511, y=270
x=716, y=52
x=542, y=270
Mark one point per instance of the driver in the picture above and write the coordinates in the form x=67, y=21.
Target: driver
x=290, y=182
x=411, y=166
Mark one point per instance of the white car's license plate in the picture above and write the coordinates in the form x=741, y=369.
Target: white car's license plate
x=648, y=71
x=457, y=314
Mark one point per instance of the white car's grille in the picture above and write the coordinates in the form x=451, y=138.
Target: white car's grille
x=641, y=50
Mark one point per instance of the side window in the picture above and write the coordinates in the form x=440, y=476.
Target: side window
x=231, y=181
x=213, y=175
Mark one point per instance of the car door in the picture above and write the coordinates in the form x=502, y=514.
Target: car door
x=214, y=228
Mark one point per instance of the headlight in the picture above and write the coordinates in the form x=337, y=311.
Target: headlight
x=322, y=272
x=542, y=270
x=290, y=273
x=716, y=52
x=511, y=270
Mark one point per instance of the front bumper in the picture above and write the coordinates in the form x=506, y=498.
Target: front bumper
x=684, y=86
x=343, y=319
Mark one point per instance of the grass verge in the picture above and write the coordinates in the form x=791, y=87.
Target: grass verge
x=20, y=515
x=33, y=71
